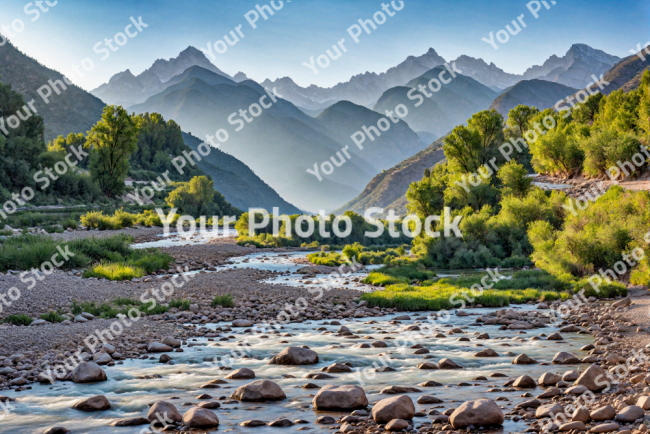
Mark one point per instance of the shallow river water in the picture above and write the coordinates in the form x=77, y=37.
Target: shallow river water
x=50, y=405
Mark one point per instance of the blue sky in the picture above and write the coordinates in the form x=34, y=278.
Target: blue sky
x=66, y=34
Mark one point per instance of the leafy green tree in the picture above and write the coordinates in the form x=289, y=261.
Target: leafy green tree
x=519, y=118
x=62, y=146
x=426, y=197
x=199, y=198
x=586, y=112
x=603, y=149
x=112, y=141
x=514, y=180
x=558, y=151
x=619, y=111
x=462, y=148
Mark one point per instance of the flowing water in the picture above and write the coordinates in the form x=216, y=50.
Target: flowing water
x=200, y=362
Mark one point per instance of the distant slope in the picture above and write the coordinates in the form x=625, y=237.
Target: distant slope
x=388, y=189
x=344, y=119
x=237, y=182
x=453, y=104
x=127, y=89
x=74, y=110
x=535, y=93
x=625, y=74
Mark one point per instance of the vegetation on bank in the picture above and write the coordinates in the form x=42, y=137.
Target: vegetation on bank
x=110, y=257
x=358, y=253
x=264, y=236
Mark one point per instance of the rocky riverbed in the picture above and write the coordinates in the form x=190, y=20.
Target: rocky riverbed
x=337, y=366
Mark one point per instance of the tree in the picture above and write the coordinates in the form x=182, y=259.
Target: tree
x=520, y=116
x=462, y=148
x=586, y=112
x=514, y=180
x=489, y=126
x=199, y=198
x=62, y=145
x=112, y=140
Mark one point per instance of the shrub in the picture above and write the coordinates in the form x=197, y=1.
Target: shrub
x=605, y=290
x=114, y=271
x=18, y=320
x=180, y=304
x=223, y=301
x=69, y=224
x=52, y=316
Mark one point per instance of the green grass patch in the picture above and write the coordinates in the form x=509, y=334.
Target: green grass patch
x=404, y=273
x=180, y=304
x=52, y=316
x=115, y=308
x=535, y=279
x=19, y=320
x=223, y=301
x=445, y=296
x=114, y=271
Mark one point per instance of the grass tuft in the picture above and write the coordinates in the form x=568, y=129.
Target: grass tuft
x=223, y=301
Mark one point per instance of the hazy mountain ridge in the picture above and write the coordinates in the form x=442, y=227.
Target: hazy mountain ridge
x=535, y=93
x=127, y=89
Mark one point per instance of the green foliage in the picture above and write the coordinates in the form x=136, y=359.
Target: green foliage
x=113, y=139
x=445, y=296
x=121, y=219
x=223, y=301
x=53, y=317
x=596, y=238
x=399, y=273
x=19, y=320
x=603, y=290
x=199, y=198
x=114, y=271
x=558, y=151
x=514, y=181
x=180, y=303
x=120, y=306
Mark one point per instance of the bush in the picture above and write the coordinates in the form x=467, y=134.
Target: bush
x=119, y=306
x=223, y=301
x=180, y=304
x=69, y=224
x=114, y=271
x=53, y=317
x=605, y=290
x=18, y=320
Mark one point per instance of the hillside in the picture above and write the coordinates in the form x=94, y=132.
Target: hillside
x=535, y=93
x=237, y=182
x=283, y=142
x=388, y=189
x=74, y=110
x=453, y=104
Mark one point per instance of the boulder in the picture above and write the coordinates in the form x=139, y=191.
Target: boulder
x=397, y=425
x=102, y=358
x=56, y=430
x=580, y=414
x=447, y=364
x=644, y=402
x=242, y=323
x=605, y=427
x=427, y=365
x=260, y=390
x=630, y=414
x=570, y=426
x=130, y=421
x=488, y=352
x=523, y=359
x=593, y=378
x=96, y=403
x=172, y=342
x=295, y=356
x=346, y=397
x=525, y=382
x=163, y=410
x=482, y=412
x=606, y=412
x=564, y=358
x=88, y=372
x=548, y=379
x=336, y=368
x=548, y=410
x=157, y=347
x=197, y=417
x=428, y=399
x=241, y=374
x=394, y=390
x=395, y=407
x=622, y=303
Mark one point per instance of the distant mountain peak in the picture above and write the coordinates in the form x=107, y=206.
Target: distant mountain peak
x=240, y=76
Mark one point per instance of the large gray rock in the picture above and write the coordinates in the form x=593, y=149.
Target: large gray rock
x=622, y=303
x=242, y=323
x=395, y=407
x=606, y=412
x=163, y=411
x=346, y=397
x=482, y=412
x=172, y=342
x=548, y=379
x=88, y=372
x=548, y=410
x=488, y=352
x=630, y=414
x=157, y=347
x=260, y=390
x=197, y=417
x=525, y=382
x=295, y=356
x=96, y=403
x=523, y=359
x=593, y=378
x=564, y=358
x=241, y=374
x=446, y=364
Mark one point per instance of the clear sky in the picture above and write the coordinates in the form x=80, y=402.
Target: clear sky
x=67, y=33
